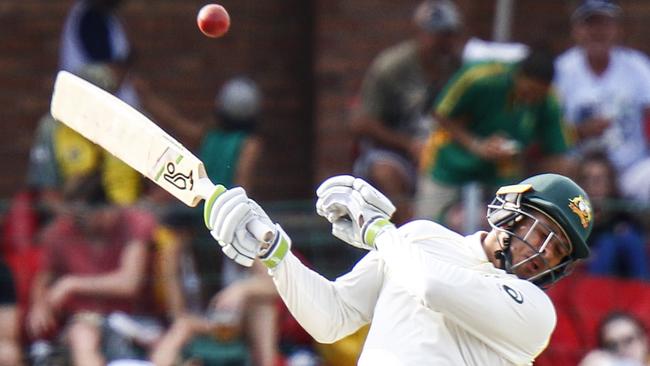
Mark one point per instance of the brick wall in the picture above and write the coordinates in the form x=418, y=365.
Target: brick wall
x=350, y=33
x=268, y=40
x=308, y=56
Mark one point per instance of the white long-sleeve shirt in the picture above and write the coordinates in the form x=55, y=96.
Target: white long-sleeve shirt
x=432, y=298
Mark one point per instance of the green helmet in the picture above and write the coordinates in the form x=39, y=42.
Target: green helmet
x=568, y=204
x=554, y=196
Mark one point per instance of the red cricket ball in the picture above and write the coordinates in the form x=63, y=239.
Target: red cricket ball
x=213, y=20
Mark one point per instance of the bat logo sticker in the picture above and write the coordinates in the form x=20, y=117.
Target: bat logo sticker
x=178, y=179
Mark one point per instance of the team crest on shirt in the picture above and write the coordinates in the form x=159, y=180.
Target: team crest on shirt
x=581, y=207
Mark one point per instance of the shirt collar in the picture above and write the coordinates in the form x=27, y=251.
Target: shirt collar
x=475, y=245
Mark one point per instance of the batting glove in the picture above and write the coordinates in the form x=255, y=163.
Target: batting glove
x=228, y=215
x=357, y=211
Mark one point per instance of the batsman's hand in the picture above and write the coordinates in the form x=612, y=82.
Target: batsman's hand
x=358, y=212
x=228, y=214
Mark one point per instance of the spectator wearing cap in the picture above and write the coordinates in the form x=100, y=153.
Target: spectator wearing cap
x=392, y=118
x=230, y=147
x=490, y=116
x=604, y=89
x=395, y=95
x=228, y=144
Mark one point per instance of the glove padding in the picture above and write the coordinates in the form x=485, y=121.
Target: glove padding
x=356, y=209
x=228, y=215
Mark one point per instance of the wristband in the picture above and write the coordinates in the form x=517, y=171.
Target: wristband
x=274, y=254
x=207, y=208
x=373, y=228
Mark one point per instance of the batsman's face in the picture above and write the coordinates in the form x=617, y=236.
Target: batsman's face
x=537, y=246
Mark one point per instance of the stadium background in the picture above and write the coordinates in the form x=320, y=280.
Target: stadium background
x=308, y=56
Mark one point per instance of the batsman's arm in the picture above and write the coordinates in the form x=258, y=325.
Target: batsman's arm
x=329, y=310
x=346, y=303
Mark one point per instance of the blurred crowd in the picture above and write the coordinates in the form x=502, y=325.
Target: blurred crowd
x=100, y=266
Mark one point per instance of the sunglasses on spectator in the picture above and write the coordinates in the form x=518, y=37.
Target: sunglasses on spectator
x=617, y=344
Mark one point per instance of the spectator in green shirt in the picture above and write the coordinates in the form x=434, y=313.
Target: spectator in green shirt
x=491, y=115
x=228, y=144
x=231, y=150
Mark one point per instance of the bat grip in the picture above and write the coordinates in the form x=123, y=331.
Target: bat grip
x=261, y=231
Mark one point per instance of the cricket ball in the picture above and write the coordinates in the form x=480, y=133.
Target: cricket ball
x=213, y=20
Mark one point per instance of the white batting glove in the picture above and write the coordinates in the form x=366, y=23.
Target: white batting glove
x=228, y=214
x=358, y=212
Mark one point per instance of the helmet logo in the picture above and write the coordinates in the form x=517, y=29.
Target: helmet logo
x=580, y=206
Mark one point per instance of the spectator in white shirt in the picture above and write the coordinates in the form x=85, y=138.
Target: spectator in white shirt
x=605, y=92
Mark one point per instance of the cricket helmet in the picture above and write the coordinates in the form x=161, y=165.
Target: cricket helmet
x=558, y=198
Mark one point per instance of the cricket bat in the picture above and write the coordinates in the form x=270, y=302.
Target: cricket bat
x=135, y=139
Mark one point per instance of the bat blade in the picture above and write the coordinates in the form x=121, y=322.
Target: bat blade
x=138, y=141
x=130, y=136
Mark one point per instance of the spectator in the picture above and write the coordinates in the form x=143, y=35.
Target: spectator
x=395, y=95
x=244, y=308
x=617, y=240
x=622, y=341
x=489, y=115
x=231, y=148
x=393, y=117
x=95, y=262
x=229, y=145
x=93, y=33
x=605, y=92
x=10, y=354
x=61, y=159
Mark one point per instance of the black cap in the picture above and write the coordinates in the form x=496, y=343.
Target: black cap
x=596, y=7
x=437, y=16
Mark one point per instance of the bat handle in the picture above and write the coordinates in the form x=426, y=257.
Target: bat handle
x=258, y=229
